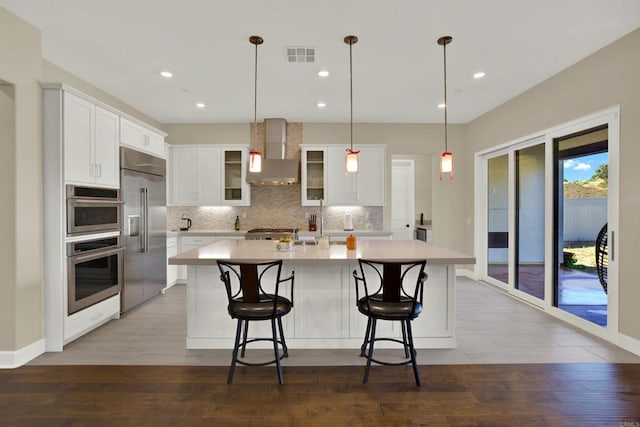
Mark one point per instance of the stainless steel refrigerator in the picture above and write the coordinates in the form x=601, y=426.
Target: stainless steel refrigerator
x=143, y=190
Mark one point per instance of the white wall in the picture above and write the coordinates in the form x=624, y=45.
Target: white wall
x=21, y=162
x=608, y=77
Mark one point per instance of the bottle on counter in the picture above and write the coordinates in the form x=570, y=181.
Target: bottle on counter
x=351, y=242
x=237, y=224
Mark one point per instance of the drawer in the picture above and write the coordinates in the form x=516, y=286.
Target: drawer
x=172, y=242
x=196, y=240
x=91, y=317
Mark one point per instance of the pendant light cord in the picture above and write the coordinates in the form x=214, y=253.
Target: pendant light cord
x=351, y=93
x=445, y=97
x=255, y=40
x=255, y=89
x=255, y=99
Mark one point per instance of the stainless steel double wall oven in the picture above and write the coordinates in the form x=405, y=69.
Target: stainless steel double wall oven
x=94, y=262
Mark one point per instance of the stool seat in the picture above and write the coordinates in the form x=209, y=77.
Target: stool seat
x=262, y=310
x=375, y=306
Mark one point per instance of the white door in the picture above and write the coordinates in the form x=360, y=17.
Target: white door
x=402, y=199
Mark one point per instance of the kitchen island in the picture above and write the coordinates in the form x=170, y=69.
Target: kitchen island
x=324, y=313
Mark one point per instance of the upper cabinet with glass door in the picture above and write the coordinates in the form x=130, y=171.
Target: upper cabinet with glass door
x=236, y=191
x=209, y=175
x=313, y=176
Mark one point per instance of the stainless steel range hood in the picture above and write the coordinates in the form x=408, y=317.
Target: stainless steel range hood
x=276, y=170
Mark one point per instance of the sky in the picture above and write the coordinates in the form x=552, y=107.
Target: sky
x=583, y=168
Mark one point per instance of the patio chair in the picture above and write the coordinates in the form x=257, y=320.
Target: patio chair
x=602, y=259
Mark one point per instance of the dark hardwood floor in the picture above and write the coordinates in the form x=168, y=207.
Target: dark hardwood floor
x=491, y=395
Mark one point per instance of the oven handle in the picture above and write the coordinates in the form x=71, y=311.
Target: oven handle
x=95, y=255
x=80, y=200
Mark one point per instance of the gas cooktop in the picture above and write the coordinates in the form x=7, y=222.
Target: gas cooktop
x=270, y=233
x=273, y=230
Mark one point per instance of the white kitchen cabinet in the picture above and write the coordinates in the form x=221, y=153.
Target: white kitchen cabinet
x=209, y=175
x=187, y=243
x=313, y=176
x=90, y=135
x=172, y=270
x=367, y=187
x=138, y=137
x=321, y=290
x=184, y=176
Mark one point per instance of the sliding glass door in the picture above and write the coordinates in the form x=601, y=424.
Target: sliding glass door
x=580, y=217
x=498, y=218
x=547, y=217
x=529, y=217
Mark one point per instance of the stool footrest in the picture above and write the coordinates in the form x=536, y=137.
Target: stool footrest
x=380, y=362
x=284, y=354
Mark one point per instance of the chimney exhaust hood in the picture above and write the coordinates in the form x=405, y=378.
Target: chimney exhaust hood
x=276, y=170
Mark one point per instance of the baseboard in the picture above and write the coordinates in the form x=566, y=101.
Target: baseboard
x=629, y=343
x=14, y=359
x=466, y=273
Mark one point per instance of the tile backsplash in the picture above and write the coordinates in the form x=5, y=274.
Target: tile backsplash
x=273, y=207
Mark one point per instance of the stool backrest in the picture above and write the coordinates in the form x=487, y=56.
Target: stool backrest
x=391, y=279
x=246, y=281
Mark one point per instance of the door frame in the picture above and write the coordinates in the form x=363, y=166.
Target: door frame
x=609, y=116
x=410, y=193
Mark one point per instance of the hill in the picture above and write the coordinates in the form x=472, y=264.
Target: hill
x=592, y=188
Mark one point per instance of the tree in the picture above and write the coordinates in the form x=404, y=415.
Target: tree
x=602, y=172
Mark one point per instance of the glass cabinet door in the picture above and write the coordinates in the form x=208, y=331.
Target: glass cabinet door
x=313, y=176
x=236, y=190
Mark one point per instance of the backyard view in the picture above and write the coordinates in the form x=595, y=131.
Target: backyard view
x=580, y=290
x=583, y=252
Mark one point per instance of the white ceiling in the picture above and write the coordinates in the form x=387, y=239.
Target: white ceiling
x=121, y=46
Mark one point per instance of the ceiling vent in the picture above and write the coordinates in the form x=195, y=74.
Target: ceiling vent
x=300, y=54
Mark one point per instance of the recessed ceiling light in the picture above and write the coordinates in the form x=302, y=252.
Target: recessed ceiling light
x=441, y=105
x=323, y=73
x=479, y=75
x=166, y=74
x=201, y=105
x=322, y=104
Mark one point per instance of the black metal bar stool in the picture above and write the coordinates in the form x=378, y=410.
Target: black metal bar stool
x=253, y=294
x=387, y=297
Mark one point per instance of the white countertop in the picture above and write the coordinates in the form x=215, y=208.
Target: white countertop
x=260, y=250
x=301, y=233
x=344, y=233
x=196, y=232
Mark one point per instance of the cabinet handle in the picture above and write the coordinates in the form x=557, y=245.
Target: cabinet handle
x=99, y=166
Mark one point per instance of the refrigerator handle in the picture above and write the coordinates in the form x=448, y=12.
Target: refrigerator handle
x=146, y=220
x=143, y=220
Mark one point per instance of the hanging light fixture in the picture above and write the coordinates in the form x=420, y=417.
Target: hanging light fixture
x=351, y=159
x=255, y=156
x=446, y=160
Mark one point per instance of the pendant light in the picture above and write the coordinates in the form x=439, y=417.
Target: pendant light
x=446, y=160
x=255, y=156
x=351, y=159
